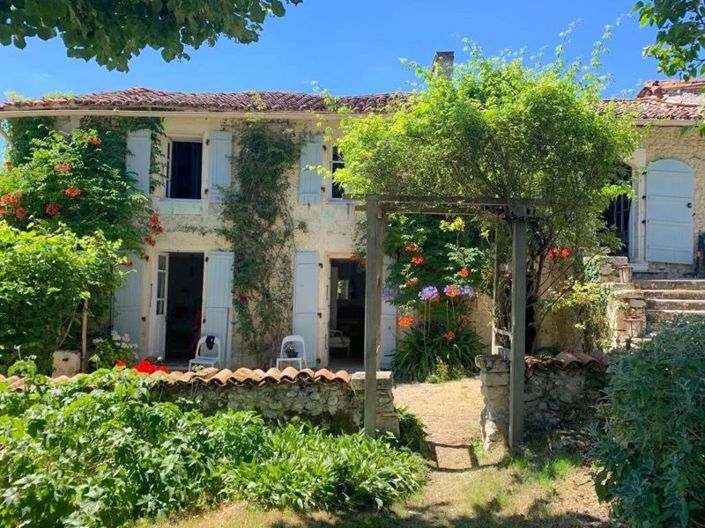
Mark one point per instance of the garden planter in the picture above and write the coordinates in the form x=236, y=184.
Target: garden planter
x=625, y=274
x=66, y=363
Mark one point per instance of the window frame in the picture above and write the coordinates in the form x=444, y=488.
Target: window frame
x=340, y=161
x=171, y=138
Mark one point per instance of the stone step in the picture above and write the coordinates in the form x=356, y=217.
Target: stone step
x=671, y=284
x=667, y=315
x=687, y=305
x=675, y=294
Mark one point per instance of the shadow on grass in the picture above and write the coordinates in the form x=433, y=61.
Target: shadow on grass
x=435, y=516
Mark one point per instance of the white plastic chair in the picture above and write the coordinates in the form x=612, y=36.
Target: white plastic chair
x=204, y=356
x=300, y=358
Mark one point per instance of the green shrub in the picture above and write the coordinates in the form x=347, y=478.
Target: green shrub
x=103, y=451
x=426, y=347
x=652, y=446
x=44, y=278
x=107, y=351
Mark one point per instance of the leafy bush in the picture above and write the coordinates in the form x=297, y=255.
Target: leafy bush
x=44, y=279
x=426, y=347
x=103, y=451
x=652, y=445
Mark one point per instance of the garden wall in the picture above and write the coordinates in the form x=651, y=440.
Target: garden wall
x=557, y=390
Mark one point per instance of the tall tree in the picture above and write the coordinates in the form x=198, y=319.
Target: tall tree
x=114, y=31
x=500, y=129
x=680, y=40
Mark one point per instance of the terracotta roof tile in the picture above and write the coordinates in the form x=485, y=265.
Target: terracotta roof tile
x=221, y=378
x=148, y=99
x=655, y=109
x=567, y=360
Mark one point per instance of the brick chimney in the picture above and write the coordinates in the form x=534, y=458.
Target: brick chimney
x=443, y=63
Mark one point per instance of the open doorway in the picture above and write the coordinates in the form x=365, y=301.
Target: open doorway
x=183, y=305
x=346, y=334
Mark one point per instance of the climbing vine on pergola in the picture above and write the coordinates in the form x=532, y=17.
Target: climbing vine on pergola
x=516, y=213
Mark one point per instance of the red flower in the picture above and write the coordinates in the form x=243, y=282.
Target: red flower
x=62, y=167
x=53, y=209
x=145, y=367
x=120, y=364
x=20, y=212
x=413, y=282
x=243, y=298
x=363, y=262
x=354, y=256
x=449, y=335
x=11, y=199
x=557, y=252
x=411, y=247
x=463, y=272
x=149, y=240
x=72, y=191
x=154, y=218
x=406, y=321
x=95, y=140
x=418, y=260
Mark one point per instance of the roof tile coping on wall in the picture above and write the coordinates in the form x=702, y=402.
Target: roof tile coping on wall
x=568, y=360
x=221, y=378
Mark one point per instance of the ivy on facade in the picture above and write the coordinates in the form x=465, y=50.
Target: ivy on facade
x=258, y=224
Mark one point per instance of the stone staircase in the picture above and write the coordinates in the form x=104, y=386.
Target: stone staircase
x=668, y=298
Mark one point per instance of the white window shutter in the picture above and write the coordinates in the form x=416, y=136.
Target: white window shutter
x=138, y=158
x=389, y=326
x=220, y=153
x=219, y=300
x=306, y=302
x=127, y=302
x=310, y=180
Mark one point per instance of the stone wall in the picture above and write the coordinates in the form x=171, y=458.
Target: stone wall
x=556, y=390
x=335, y=404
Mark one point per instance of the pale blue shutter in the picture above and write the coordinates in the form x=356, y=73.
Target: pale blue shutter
x=220, y=153
x=306, y=302
x=388, y=327
x=127, y=302
x=138, y=158
x=219, y=300
x=310, y=180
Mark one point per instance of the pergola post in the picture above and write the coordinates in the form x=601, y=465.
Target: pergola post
x=518, y=341
x=373, y=308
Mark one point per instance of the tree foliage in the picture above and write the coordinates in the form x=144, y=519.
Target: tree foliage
x=680, y=36
x=502, y=130
x=114, y=31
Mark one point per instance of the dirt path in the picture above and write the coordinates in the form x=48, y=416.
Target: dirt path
x=451, y=413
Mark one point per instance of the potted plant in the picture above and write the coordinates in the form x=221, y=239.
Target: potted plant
x=290, y=350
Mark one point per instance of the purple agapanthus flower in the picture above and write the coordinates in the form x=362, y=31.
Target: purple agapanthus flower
x=429, y=293
x=388, y=294
x=467, y=290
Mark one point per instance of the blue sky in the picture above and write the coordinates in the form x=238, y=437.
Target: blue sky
x=350, y=47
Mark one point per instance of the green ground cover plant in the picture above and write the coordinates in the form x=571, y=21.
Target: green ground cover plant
x=104, y=451
x=651, y=445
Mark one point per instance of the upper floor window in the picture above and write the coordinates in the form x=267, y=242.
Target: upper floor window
x=337, y=191
x=185, y=161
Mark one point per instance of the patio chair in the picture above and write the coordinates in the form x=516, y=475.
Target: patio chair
x=337, y=339
x=300, y=358
x=208, y=353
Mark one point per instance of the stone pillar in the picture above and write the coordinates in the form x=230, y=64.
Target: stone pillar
x=494, y=420
x=387, y=419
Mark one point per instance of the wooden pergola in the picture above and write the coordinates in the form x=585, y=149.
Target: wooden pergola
x=514, y=212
